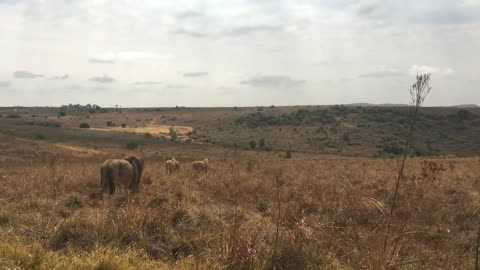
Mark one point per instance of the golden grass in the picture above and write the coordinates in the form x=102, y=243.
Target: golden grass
x=332, y=215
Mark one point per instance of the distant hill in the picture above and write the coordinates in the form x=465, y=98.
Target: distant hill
x=375, y=105
x=356, y=129
x=466, y=106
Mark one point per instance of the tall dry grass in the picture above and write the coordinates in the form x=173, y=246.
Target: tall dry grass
x=332, y=215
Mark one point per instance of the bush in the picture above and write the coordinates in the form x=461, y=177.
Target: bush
x=261, y=143
x=393, y=149
x=123, y=125
x=13, y=115
x=173, y=134
x=252, y=144
x=62, y=113
x=463, y=114
x=39, y=136
x=148, y=135
x=84, y=125
x=109, y=123
x=132, y=145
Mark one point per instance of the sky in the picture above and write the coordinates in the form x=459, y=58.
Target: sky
x=237, y=52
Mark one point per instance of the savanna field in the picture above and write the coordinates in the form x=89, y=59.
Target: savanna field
x=325, y=207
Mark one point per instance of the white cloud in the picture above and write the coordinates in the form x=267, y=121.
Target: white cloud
x=421, y=69
x=114, y=57
x=103, y=79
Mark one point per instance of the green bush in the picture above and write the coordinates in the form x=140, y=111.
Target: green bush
x=261, y=143
x=62, y=113
x=148, y=135
x=252, y=144
x=84, y=125
x=109, y=123
x=132, y=145
x=13, y=115
x=393, y=149
x=123, y=125
x=39, y=136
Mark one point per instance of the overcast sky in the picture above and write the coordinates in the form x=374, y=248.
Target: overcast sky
x=236, y=52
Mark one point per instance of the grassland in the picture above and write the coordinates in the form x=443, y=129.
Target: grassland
x=253, y=210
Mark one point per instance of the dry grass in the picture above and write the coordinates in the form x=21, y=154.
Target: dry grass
x=333, y=213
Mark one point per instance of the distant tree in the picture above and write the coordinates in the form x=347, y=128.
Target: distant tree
x=62, y=112
x=123, y=125
x=109, y=123
x=84, y=125
x=252, y=144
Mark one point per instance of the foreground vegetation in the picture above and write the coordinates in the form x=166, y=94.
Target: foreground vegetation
x=249, y=212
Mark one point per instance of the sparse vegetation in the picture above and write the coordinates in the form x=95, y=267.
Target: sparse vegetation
x=132, y=145
x=123, y=125
x=39, y=136
x=173, y=134
x=13, y=115
x=84, y=125
x=252, y=145
x=110, y=123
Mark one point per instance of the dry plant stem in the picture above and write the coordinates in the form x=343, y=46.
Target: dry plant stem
x=418, y=93
x=476, y=249
x=277, y=225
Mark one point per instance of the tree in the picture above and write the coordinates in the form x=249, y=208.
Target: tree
x=62, y=112
x=123, y=125
x=109, y=123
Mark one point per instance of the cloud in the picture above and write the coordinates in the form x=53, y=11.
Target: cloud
x=247, y=30
x=60, y=78
x=190, y=33
x=138, y=83
x=103, y=79
x=23, y=74
x=383, y=72
x=175, y=86
x=195, y=74
x=421, y=69
x=114, y=57
x=4, y=84
x=273, y=81
x=188, y=14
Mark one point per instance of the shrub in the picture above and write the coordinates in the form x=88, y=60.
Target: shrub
x=148, y=135
x=132, y=145
x=261, y=143
x=463, y=114
x=393, y=149
x=62, y=112
x=74, y=200
x=84, y=125
x=39, y=136
x=173, y=134
x=109, y=123
x=13, y=115
x=123, y=125
x=252, y=144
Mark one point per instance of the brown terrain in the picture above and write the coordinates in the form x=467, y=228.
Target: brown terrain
x=326, y=207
